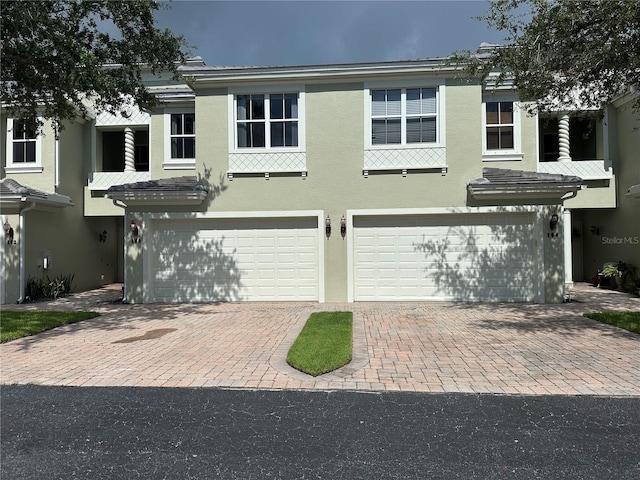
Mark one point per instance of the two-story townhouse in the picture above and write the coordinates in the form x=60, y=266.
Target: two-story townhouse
x=377, y=181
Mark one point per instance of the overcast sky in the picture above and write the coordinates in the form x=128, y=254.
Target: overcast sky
x=302, y=32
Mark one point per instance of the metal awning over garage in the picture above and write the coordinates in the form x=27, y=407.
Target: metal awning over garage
x=521, y=186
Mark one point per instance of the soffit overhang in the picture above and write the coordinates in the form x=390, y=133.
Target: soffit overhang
x=14, y=197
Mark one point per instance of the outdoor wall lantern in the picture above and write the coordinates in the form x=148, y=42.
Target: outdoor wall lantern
x=553, y=223
x=8, y=233
x=343, y=226
x=135, y=232
x=103, y=236
x=327, y=225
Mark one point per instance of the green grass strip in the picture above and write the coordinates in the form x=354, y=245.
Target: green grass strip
x=627, y=320
x=324, y=344
x=17, y=324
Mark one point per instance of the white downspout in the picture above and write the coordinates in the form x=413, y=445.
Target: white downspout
x=57, y=155
x=22, y=248
x=121, y=204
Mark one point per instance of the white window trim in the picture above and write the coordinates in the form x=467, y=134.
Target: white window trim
x=175, y=163
x=404, y=85
x=21, y=167
x=233, y=131
x=503, y=155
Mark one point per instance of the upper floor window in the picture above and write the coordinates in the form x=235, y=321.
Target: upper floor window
x=402, y=116
x=180, y=139
x=24, y=142
x=501, y=125
x=183, y=135
x=23, y=147
x=267, y=120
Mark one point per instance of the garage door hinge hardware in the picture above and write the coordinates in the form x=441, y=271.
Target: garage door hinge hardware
x=266, y=175
x=365, y=173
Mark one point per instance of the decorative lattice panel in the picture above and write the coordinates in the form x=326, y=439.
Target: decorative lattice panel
x=104, y=180
x=587, y=170
x=267, y=162
x=404, y=158
x=134, y=117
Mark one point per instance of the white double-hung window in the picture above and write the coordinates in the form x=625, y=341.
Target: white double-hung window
x=267, y=120
x=404, y=116
x=23, y=147
x=405, y=127
x=180, y=139
x=267, y=130
x=501, y=124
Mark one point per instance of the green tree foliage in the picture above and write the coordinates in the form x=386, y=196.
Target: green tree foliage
x=562, y=51
x=56, y=54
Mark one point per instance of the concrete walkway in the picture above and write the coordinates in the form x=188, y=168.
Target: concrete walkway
x=415, y=346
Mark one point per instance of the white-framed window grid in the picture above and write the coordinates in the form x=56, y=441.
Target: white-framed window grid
x=501, y=129
x=23, y=149
x=283, y=123
x=180, y=138
x=404, y=116
x=267, y=120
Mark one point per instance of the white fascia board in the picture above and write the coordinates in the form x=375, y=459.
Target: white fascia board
x=158, y=198
x=52, y=203
x=237, y=214
x=540, y=191
x=439, y=211
x=213, y=76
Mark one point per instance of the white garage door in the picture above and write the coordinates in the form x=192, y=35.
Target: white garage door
x=235, y=259
x=488, y=257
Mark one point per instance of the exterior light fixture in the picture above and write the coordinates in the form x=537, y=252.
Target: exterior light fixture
x=103, y=236
x=343, y=226
x=553, y=223
x=327, y=226
x=135, y=232
x=8, y=233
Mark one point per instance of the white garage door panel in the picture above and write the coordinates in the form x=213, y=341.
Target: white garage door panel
x=235, y=259
x=445, y=257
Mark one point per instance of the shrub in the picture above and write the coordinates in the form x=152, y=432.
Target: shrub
x=44, y=288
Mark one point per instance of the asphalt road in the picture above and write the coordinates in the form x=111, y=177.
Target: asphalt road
x=162, y=433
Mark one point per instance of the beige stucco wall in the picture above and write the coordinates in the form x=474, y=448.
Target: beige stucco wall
x=335, y=125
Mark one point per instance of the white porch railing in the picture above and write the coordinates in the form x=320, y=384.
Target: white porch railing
x=104, y=180
x=585, y=169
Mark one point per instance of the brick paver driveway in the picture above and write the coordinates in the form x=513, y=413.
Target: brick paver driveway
x=431, y=347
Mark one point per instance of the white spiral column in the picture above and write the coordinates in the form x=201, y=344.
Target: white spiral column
x=129, y=150
x=563, y=139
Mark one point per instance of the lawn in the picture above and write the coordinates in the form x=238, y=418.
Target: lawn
x=324, y=344
x=627, y=320
x=16, y=324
